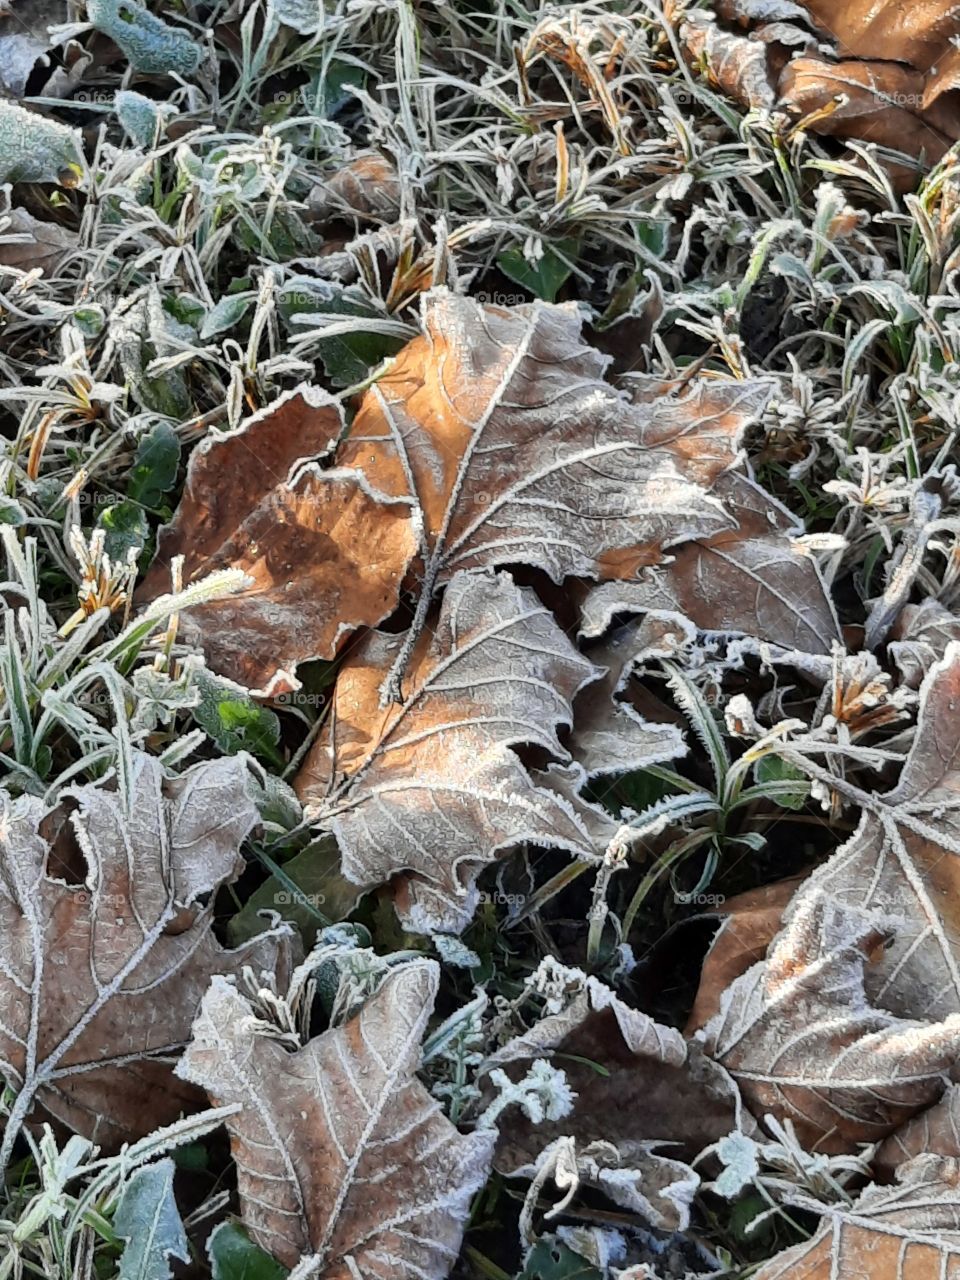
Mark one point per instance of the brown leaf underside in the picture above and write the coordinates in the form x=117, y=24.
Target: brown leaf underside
x=431, y=790
x=801, y=1039
x=323, y=552
x=907, y=1232
x=340, y=1150
x=895, y=64
x=903, y=864
x=99, y=983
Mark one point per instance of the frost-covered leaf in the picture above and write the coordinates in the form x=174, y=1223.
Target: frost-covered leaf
x=935, y=1131
x=35, y=149
x=148, y=1219
x=325, y=554
x=652, y=1086
x=500, y=424
x=27, y=243
x=919, y=639
x=141, y=117
x=106, y=946
x=748, y=922
x=909, y=1231
x=428, y=792
x=340, y=1150
x=903, y=863
x=227, y=312
x=146, y=331
x=151, y=45
x=25, y=38
x=737, y=64
x=800, y=1037
x=305, y=16
x=876, y=70
x=367, y=185
x=879, y=102
x=920, y=33
x=634, y=1175
x=609, y=734
x=747, y=581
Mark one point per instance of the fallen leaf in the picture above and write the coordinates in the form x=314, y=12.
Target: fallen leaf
x=324, y=552
x=903, y=863
x=100, y=980
x=907, y=1232
x=499, y=423
x=749, y=581
x=27, y=243
x=24, y=39
x=635, y=1176
x=881, y=103
x=919, y=33
x=919, y=639
x=874, y=70
x=739, y=65
x=799, y=1036
x=150, y=45
x=935, y=1131
x=368, y=186
x=35, y=149
x=749, y=922
x=430, y=792
x=568, y=782
x=340, y=1150
x=651, y=1085
x=609, y=734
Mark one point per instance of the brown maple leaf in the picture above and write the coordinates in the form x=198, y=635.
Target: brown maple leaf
x=910, y=1231
x=749, y=922
x=499, y=423
x=935, y=1131
x=340, y=1150
x=903, y=863
x=26, y=243
x=749, y=581
x=654, y=1086
x=889, y=78
x=100, y=980
x=919, y=639
x=324, y=553
x=799, y=1036
x=431, y=791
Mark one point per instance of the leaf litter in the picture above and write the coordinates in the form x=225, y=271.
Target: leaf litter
x=479, y=510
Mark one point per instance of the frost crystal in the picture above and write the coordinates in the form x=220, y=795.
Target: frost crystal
x=542, y=1094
